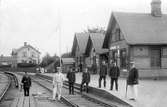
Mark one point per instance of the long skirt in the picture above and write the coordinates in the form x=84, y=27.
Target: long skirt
x=133, y=91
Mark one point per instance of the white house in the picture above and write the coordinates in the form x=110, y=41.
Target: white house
x=26, y=54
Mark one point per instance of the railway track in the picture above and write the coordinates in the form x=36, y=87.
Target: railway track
x=77, y=100
x=11, y=79
x=39, y=96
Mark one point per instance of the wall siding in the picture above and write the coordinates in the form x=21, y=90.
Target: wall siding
x=141, y=51
x=164, y=62
x=140, y=55
x=142, y=62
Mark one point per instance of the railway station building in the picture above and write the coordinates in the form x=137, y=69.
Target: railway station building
x=139, y=37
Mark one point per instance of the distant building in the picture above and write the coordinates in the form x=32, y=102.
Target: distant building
x=6, y=60
x=94, y=52
x=67, y=63
x=139, y=37
x=78, y=49
x=26, y=54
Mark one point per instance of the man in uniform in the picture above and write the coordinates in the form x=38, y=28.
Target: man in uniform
x=114, y=73
x=26, y=81
x=71, y=80
x=58, y=79
x=103, y=74
x=85, y=79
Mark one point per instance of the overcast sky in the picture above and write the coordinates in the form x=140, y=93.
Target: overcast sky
x=37, y=21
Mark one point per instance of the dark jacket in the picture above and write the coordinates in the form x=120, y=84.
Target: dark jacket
x=103, y=70
x=86, y=77
x=71, y=77
x=26, y=82
x=133, y=77
x=114, y=72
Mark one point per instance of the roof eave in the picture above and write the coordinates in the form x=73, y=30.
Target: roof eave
x=108, y=32
x=73, y=47
x=131, y=44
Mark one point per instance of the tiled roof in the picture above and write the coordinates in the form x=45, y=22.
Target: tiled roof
x=81, y=40
x=97, y=40
x=140, y=28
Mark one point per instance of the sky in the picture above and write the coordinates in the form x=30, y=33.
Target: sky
x=44, y=23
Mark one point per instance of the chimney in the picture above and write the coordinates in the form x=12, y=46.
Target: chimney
x=25, y=43
x=156, y=8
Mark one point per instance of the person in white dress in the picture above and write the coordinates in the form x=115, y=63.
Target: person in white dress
x=58, y=79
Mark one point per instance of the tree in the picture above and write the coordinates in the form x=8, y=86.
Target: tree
x=66, y=55
x=55, y=57
x=47, y=60
x=95, y=30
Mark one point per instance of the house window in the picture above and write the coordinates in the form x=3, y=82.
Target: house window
x=117, y=35
x=32, y=54
x=123, y=57
x=156, y=57
x=24, y=54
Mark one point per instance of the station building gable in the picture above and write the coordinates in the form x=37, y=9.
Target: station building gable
x=78, y=48
x=94, y=51
x=141, y=38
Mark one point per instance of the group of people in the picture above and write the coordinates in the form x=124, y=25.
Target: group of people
x=71, y=80
x=58, y=79
x=113, y=72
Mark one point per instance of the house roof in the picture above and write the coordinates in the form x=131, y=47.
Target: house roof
x=81, y=40
x=139, y=28
x=68, y=60
x=26, y=46
x=97, y=40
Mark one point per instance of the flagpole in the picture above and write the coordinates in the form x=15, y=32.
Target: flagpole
x=60, y=45
x=59, y=19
